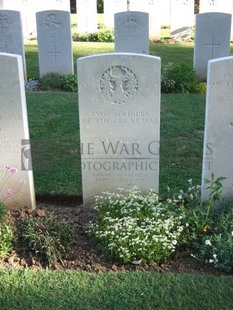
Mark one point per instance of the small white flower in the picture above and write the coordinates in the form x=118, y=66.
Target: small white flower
x=232, y=233
x=211, y=261
x=215, y=258
x=180, y=197
x=207, y=242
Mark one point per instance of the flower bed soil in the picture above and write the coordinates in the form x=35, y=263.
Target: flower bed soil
x=86, y=255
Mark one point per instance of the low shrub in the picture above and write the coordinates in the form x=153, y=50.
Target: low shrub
x=69, y=82
x=106, y=35
x=102, y=35
x=50, y=81
x=135, y=228
x=48, y=237
x=180, y=78
x=6, y=192
x=217, y=249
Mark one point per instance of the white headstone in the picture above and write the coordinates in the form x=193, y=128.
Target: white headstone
x=119, y=111
x=110, y=8
x=220, y=6
x=14, y=137
x=132, y=32
x=154, y=9
x=218, y=139
x=28, y=9
x=11, y=35
x=182, y=18
x=87, y=15
x=212, y=40
x=54, y=42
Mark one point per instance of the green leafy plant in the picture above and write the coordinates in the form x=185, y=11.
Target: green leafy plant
x=51, y=81
x=167, y=82
x=48, y=237
x=217, y=249
x=6, y=230
x=199, y=218
x=133, y=227
x=69, y=82
x=179, y=78
x=102, y=35
x=6, y=233
x=106, y=35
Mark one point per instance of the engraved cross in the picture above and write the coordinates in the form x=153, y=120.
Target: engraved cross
x=212, y=45
x=55, y=53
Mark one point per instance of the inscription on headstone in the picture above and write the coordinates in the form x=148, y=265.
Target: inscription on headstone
x=119, y=108
x=54, y=42
x=16, y=179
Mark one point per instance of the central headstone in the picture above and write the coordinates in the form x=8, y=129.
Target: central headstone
x=132, y=32
x=16, y=179
x=119, y=108
x=218, y=139
x=54, y=42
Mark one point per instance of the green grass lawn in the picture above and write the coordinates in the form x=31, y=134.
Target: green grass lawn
x=54, y=131
x=25, y=290
x=54, y=128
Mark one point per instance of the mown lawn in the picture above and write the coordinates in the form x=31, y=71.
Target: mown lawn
x=26, y=289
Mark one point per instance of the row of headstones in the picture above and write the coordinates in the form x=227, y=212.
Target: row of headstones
x=119, y=116
x=54, y=40
x=212, y=38
x=161, y=12
x=178, y=14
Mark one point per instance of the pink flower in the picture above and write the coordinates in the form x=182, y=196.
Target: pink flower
x=8, y=167
x=14, y=170
x=10, y=192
